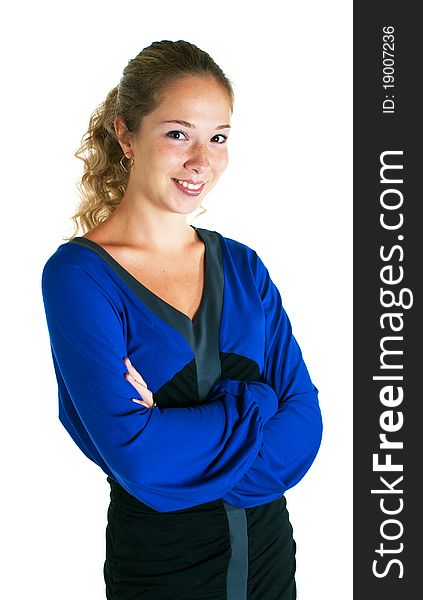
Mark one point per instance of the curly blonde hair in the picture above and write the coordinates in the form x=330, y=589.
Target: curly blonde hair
x=139, y=92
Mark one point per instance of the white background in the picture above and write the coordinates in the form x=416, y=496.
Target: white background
x=287, y=192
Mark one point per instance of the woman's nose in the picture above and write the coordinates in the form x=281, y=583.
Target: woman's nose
x=199, y=159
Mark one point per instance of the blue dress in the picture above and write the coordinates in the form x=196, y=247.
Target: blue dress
x=197, y=507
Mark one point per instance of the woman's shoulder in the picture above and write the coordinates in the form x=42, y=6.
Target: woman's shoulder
x=243, y=255
x=73, y=252
x=72, y=263
x=234, y=246
x=246, y=258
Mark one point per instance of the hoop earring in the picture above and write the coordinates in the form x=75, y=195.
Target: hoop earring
x=122, y=165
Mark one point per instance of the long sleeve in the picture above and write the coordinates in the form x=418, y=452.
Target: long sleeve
x=169, y=458
x=292, y=437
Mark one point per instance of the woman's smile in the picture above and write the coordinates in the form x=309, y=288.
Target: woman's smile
x=189, y=187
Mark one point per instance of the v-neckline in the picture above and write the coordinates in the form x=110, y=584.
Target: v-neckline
x=103, y=253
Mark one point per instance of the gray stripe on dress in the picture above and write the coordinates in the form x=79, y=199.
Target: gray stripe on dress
x=237, y=574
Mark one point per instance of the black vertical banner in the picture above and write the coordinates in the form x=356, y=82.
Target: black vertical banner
x=388, y=356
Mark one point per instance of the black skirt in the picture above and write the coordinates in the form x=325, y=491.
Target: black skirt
x=212, y=551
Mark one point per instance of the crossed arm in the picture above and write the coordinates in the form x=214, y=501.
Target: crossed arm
x=247, y=444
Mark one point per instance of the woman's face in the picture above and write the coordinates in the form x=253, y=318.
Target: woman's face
x=192, y=150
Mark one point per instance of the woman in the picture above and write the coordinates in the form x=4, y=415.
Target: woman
x=177, y=370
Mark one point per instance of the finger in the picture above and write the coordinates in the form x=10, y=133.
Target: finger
x=146, y=404
x=140, y=387
x=132, y=370
x=140, y=402
x=143, y=391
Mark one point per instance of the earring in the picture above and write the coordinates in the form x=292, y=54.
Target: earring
x=122, y=165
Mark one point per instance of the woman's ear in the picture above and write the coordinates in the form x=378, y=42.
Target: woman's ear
x=123, y=134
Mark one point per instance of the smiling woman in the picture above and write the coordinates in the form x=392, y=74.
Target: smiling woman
x=167, y=83
x=169, y=165
x=200, y=422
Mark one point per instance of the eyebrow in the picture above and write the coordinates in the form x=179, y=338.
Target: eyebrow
x=186, y=124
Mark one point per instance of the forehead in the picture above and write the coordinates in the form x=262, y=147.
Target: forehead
x=200, y=97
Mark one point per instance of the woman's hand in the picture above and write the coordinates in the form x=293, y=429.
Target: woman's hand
x=139, y=384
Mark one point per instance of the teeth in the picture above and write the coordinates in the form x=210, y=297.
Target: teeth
x=190, y=186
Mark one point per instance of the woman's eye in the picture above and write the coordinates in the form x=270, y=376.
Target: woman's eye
x=225, y=137
x=170, y=134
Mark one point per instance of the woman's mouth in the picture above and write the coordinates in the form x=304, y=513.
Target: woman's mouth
x=190, y=189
